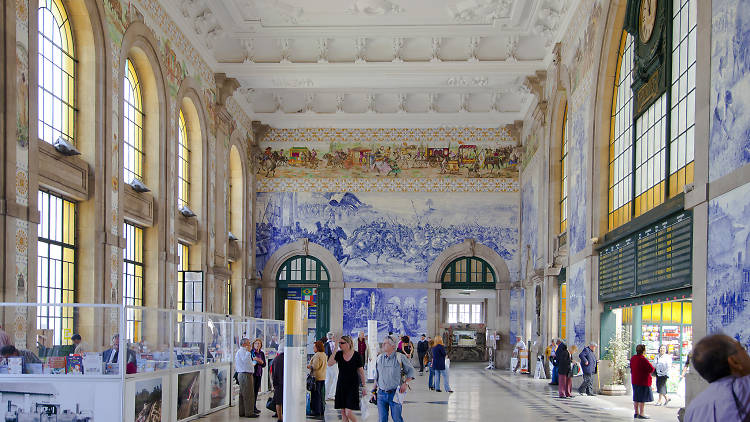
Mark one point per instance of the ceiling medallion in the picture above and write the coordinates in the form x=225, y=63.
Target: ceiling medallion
x=375, y=8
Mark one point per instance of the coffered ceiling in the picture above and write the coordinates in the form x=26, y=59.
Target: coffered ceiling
x=377, y=63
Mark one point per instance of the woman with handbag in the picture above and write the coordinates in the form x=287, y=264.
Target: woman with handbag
x=439, y=360
x=564, y=371
x=663, y=364
x=317, y=369
x=351, y=378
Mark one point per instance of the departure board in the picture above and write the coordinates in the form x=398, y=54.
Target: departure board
x=665, y=254
x=617, y=270
x=655, y=259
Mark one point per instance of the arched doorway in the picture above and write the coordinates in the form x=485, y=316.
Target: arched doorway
x=305, y=277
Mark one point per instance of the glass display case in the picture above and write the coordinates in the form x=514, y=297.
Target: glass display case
x=189, y=346
x=219, y=338
x=464, y=338
x=148, y=337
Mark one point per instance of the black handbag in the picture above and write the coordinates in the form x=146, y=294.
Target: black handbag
x=270, y=405
x=310, y=383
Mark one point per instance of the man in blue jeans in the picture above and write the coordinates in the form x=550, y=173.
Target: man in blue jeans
x=388, y=381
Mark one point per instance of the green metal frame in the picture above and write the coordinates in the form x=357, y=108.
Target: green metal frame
x=318, y=281
x=488, y=278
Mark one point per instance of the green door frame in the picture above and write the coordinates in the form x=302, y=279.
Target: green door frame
x=298, y=277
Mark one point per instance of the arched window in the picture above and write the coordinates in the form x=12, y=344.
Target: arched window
x=57, y=70
x=133, y=125
x=651, y=157
x=183, y=163
x=302, y=269
x=468, y=272
x=564, y=174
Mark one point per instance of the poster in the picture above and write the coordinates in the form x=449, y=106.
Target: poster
x=188, y=394
x=308, y=295
x=218, y=386
x=83, y=399
x=148, y=400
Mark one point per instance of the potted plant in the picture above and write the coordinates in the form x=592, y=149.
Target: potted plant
x=618, y=350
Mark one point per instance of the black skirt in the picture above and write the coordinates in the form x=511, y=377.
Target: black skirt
x=642, y=394
x=661, y=384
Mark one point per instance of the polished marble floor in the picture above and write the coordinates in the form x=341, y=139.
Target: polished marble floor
x=482, y=395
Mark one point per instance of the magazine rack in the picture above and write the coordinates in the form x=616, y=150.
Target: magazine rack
x=178, y=364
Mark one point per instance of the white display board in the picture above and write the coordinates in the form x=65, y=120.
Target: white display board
x=98, y=399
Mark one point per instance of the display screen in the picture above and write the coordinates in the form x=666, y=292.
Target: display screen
x=657, y=258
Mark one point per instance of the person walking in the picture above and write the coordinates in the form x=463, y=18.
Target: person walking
x=564, y=375
x=422, y=347
x=260, y=362
x=332, y=372
x=245, y=366
x=362, y=346
x=438, y=362
x=317, y=368
x=663, y=364
x=725, y=364
x=640, y=376
x=277, y=378
x=389, y=368
x=351, y=377
x=589, y=367
x=431, y=380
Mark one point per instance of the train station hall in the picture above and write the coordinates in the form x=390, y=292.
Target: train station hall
x=374, y=210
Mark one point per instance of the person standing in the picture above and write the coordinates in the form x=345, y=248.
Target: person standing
x=663, y=364
x=351, y=378
x=589, y=367
x=564, y=375
x=332, y=372
x=422, y=347
x=277, y=378
x=388, y=369
x=640, y=376
x=520, y=345
x=317, y=368
x=725, y=364
x=406, y=347
x=431, y=380
x=555, y=345
x=362, y=346
x=438, y=362
x=245, y=366
x=260, y=362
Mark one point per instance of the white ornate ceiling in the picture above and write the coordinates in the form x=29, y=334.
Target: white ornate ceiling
x=377, y=63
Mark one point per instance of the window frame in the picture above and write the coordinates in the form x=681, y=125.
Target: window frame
x=662, y=138
x=134, y=246
x=63, y=125
x=62, y=318
x=465, y=312
x=133, y=124
x=460, y=274
x=284, y=273
x=183, y=161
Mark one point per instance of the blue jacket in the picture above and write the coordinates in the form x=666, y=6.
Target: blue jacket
x=588, y=356
x=438, y=358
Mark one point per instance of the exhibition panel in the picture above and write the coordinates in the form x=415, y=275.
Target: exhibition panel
x=178, y=364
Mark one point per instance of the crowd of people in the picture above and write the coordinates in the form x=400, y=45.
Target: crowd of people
x=337, y=373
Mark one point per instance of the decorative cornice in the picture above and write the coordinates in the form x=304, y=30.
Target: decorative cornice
x=497, y=185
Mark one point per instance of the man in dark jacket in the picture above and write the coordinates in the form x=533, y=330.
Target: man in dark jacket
x=588, y=364
x=422, y=346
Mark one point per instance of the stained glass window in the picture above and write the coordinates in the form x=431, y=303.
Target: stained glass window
x=132, y=125
x=57, y=70
x=56, y=264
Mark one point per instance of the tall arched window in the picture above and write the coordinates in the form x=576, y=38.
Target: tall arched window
x=57, y=70
x=183, y=163
x=133, y=125
x=651, y=157
x=564, y=174
x=303, y=269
